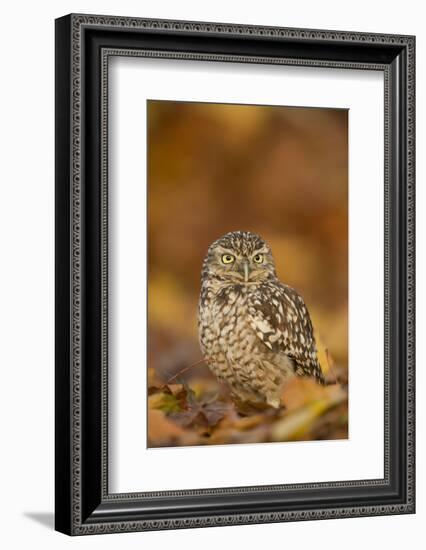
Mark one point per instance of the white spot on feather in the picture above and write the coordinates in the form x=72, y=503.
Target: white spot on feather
x=263, y=326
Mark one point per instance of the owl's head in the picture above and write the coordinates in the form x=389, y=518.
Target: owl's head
x=239, y=257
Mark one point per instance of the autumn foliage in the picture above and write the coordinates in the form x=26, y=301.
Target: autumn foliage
x=202, y=413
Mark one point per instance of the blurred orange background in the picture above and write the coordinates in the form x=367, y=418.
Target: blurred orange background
x=281, y=172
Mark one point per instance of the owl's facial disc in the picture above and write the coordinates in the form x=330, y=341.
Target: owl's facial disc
x=239, y=268
x=240, y=258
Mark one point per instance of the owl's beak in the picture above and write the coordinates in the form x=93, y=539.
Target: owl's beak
x=246, y=271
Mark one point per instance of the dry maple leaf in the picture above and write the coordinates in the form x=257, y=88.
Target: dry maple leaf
x=200, y=413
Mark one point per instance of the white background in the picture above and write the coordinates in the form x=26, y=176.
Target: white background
x=26, y=300
x=361, y=456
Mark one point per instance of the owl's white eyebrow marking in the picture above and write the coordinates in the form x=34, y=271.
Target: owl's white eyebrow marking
x=224, y=250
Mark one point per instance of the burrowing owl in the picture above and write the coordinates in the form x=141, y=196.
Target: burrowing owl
x=255, y=332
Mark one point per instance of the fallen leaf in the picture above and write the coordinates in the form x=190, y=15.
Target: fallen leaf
x=323, y=354
x=153, y=379
x=201, y=412
x=300, y=391
x=168, y=398
x=296, y=424
x=164, y=402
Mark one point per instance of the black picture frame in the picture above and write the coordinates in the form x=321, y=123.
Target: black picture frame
x=83, y=45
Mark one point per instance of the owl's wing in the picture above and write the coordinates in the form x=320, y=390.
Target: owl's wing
x=280, y=318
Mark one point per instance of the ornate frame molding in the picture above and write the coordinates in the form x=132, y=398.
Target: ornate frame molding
x=86, y=507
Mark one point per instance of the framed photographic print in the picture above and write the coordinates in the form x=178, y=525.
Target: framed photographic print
x=234, y=274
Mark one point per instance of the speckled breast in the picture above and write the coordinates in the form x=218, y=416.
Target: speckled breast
x=229, y=342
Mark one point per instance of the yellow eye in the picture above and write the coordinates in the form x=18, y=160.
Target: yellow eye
x=228, y=259
x=258, y=259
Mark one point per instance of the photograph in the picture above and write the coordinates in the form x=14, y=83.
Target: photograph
x=247, y=217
